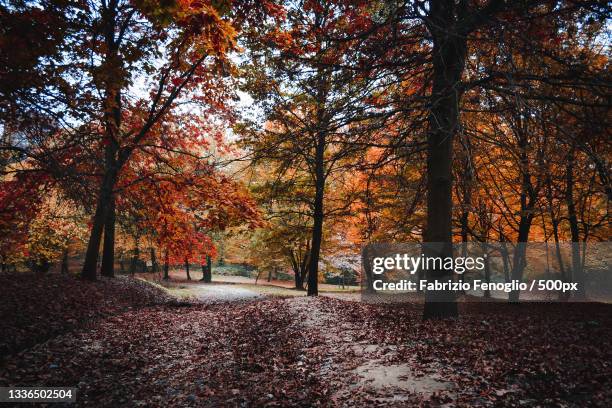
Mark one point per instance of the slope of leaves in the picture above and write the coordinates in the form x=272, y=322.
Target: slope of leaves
x=246, y=354
x=35, y=308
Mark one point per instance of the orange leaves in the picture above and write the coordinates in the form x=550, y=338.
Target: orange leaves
x=175, y=196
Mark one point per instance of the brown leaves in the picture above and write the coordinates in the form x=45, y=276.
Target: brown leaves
x=35, y=308
x=306, y=352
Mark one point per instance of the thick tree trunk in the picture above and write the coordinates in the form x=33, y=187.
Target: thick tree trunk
x=448, y=59
x=207, y=270
x=108, y=252
x=104, y=216
x=299, y=281
x=317, y=230
x=95, y=236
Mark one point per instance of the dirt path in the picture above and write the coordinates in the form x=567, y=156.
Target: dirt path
x=220, y=292
x=364, y=363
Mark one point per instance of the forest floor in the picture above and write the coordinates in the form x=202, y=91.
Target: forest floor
x=256, y=349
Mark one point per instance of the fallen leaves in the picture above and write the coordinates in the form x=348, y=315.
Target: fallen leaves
x=35, y=308
x=308, y=352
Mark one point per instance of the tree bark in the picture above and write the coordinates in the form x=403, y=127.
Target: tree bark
x=93, y=245
x=317, y=230
x=207, y=270
x=299, y=281
x=448, y=60
x=299, y=268
x=367, y=270
x=166, y=267
x=528, y=200
x=104, y=216
x=187, y=269
x=154, y=267
x=108, y=252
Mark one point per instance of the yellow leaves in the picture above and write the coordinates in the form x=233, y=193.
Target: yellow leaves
x=200, y=21
x=47, y=238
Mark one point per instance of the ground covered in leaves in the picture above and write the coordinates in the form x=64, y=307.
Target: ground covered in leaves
x=35, y=308
x=327, y=352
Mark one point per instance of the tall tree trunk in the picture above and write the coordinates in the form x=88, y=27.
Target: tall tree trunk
x=519, y=260
x=104, y=216
x=166, y=267
x=108, y=252
x=187, y=269
x=95, y=236
x=448, y=59
x=528, y=200
x=317, y=230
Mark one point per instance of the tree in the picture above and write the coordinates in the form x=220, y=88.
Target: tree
x=314, y=109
